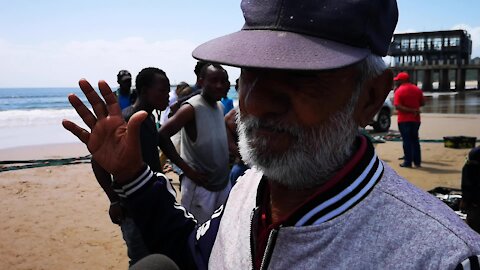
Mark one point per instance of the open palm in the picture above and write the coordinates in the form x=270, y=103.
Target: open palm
x=114, y=144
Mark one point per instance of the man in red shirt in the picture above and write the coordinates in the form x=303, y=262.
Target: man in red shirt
x=408, y=99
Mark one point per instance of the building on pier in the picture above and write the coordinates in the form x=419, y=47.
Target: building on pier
x=441, y=58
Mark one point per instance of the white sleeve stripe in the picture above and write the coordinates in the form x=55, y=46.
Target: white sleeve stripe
x=139, y=182
x=123, y=189
x=129, y=192
x=139, y=179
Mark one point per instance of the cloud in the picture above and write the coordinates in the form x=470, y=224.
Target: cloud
x=405, y=31
x=62, y=64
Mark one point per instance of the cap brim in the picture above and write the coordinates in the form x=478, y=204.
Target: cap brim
x=278, y=50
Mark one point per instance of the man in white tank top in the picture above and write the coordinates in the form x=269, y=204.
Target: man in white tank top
x=204, y=149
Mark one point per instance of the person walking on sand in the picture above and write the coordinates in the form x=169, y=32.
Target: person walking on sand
x=153, y=87
x=317, y=196
x=408, y=99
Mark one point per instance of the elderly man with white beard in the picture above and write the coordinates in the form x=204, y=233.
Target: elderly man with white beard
x=317, y=196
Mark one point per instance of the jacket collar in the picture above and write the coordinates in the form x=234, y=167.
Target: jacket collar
x=342, y=192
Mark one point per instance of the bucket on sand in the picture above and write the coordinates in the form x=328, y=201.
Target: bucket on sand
x=460, y=142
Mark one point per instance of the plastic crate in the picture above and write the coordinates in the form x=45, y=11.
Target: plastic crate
x=460, y=142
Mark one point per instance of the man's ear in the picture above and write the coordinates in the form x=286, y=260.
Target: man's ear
x=372, y=96
x=200, y=82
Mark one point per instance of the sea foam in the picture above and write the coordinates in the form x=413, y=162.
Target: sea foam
x=21, y=118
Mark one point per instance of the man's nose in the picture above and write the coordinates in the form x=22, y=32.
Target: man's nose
x=262, y=99
x=219, y=85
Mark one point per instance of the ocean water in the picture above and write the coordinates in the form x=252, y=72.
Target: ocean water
x=33, y=116
x=26, y=107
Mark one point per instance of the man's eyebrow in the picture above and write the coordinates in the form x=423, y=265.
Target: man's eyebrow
x=306, y=73
x=326, y=73
x=311, y=74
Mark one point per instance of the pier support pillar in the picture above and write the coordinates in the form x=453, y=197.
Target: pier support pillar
x=460, y=80
x=444, y=81
x=427, y=81
x=478, y=79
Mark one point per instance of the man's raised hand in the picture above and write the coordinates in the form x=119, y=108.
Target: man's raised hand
x=114, y=144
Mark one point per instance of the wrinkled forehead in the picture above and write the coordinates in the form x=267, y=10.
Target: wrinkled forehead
x=351, y=72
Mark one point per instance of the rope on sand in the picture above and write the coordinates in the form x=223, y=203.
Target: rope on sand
x=13, y=165
x=395, y=137
x=421, y=140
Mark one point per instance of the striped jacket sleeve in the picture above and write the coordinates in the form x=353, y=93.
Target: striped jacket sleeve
x=166, y=226
x=471, y=263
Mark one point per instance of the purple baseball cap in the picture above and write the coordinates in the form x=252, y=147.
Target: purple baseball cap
x=305, y=35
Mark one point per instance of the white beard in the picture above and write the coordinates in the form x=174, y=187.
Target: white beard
x=313, y=157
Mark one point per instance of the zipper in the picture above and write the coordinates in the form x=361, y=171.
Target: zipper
x=253, y=232
x=272, y=237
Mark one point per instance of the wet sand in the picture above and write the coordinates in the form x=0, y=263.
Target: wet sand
x=467, y=102
x=56, y=217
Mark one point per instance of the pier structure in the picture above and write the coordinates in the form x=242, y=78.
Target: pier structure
x=440, y=57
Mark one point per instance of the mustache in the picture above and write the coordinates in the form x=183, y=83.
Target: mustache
x=251, y=123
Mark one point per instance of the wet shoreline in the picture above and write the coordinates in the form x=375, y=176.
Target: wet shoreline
x=467, y=102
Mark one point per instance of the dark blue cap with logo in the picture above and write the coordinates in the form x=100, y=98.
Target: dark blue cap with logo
x=305, y=35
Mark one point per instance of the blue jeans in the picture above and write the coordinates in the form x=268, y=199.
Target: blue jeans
x=136, y=247
x=411, y=143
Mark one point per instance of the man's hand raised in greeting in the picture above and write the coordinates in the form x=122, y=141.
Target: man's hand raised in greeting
x=113, y=143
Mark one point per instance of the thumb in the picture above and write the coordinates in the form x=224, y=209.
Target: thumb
x=133, y=127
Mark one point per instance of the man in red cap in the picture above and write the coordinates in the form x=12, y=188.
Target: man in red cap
x=407, y=100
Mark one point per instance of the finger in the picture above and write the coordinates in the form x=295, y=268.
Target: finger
x=97, y=103
x=81, y=133
x=110, y=98
x=133, y=127
x=82, y=110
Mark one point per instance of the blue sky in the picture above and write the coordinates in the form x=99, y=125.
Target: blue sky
x=54, y=43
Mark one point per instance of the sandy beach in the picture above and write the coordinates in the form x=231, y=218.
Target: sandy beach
x=56, y=217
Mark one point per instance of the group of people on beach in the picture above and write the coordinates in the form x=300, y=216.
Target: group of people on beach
x=316, y=197
x=193, y=137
